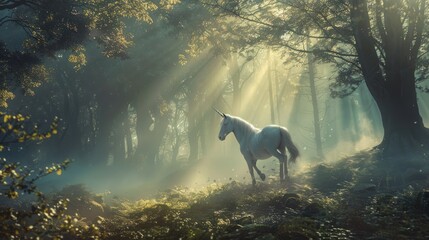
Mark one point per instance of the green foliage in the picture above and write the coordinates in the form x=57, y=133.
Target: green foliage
x=205, y=28
x=229, y=211
x=42, y=218
x=51, y=26
x=330, y=29
x=16, y=128
x=349, y=210
x=19, y=69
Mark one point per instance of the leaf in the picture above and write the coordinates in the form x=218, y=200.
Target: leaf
x=13, y=194
x=6, y=118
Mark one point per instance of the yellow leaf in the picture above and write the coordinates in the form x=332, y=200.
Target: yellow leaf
x=59, y=171
x=13, y=195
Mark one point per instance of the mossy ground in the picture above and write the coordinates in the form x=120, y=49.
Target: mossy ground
x=350, y=199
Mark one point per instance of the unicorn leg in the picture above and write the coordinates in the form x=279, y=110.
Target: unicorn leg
x=283, y=152
x=250, y=166
x=261, y=175
x=282, y=159
x=282, y=177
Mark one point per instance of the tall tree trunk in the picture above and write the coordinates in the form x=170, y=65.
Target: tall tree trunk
x=277, y=95
x=314, y=103
x=103, y=146
x=128, y=138
x=72, y=135
x=143, y=124
x=192, y=128
x=236, y=89
x=118, y=144
x=176, y=133
x=394, y=92
x=120, y=132
x=161, y=115
x=270, y=88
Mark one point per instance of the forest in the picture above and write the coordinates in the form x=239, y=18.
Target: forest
x=112, y=112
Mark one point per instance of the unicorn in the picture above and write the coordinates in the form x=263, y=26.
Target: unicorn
x=255, y=143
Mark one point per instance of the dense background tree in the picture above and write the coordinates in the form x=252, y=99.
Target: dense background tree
x=381, y=43
x=46, y=27
x=130, y=103
x=149, y=103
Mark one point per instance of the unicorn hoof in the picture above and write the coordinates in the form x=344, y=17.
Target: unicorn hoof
x=262, y=177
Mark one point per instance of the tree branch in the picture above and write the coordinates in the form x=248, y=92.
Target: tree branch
x=379, y=23
x=419, y=31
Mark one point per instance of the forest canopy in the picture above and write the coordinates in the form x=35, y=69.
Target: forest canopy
x=104, y=102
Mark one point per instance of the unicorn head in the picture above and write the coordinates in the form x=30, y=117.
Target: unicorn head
x=226, y=128
x=226, y=125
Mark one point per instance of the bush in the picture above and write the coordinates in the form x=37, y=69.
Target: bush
x=25, y=213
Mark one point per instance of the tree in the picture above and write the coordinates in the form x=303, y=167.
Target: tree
x=50, y=26
x=314, y=102
x=390, y=74
x=377, y=42
x=42, y=217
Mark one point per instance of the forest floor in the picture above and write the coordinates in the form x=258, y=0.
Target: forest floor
x=349, y=199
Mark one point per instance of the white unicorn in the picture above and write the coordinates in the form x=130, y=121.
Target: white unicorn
x=257, y=143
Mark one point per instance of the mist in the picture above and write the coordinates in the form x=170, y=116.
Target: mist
x=119, y=170
x=120, y=103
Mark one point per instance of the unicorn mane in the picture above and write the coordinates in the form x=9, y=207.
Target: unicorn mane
x=242, y=127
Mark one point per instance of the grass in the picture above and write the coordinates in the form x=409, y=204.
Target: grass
x=350, y=199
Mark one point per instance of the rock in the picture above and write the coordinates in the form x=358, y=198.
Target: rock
x=233, y=228
x=329, y=178
x=293, y=203
x=286, y=196
x=291, y=200
x=313, y=209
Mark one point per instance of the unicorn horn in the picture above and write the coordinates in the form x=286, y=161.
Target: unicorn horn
x=220, y=113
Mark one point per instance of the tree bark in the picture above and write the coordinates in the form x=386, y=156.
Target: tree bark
x=394, y=92
x=236, y=89
x=192, y=128
x=161, y=117
x=176, y=133
x=128, y=137
x=314, y=103
x=143, y=123
x=270, y=88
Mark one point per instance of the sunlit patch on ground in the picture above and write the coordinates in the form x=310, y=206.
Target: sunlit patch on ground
x=348, y=199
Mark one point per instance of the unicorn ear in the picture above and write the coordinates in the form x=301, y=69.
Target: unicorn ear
x=220, y=113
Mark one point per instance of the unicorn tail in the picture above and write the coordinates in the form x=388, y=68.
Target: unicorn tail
x=287, y=140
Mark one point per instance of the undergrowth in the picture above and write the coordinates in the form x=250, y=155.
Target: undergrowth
x=344, y=200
